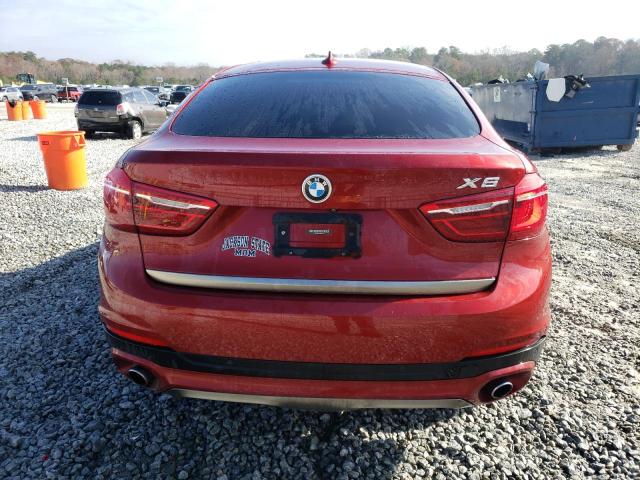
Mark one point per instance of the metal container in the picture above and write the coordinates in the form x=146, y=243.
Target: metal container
x=603, y=114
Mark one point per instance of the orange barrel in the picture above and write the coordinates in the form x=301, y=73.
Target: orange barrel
x=64, y=160
x=14, y=113
x=26, y=111
x=39, y=109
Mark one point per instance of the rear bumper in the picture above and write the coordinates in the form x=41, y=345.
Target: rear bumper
x=168, y=358
x=119, y=126
x=326, y=386
x=413, y=345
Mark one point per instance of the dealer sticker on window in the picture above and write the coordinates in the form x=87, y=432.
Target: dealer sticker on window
x=246, y=246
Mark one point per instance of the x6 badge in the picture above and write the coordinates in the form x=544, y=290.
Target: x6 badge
x=487, y=182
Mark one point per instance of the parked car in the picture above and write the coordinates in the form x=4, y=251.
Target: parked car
x=180, y=93
x=70, y=93
x=355, y=236
x=41, y=91
x=129, y=111
x=161, y=92
x=10, y=93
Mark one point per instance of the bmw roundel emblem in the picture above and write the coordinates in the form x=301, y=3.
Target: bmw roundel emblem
x=316, y=188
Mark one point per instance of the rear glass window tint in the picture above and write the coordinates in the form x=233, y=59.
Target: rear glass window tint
x=328, y=104
x=151, y=98
x=138, y=97
x=100, y=98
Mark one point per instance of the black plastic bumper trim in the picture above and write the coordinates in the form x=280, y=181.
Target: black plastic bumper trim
x=168, y=358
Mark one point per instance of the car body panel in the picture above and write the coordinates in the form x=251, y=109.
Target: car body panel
x=371, y=65
x=10, y=93
x=104, y=117
x=70, y=93
x=43, y=91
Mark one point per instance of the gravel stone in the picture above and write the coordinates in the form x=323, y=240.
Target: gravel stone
x=66, y=413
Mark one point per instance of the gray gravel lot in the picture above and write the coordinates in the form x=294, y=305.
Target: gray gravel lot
x=66, y=413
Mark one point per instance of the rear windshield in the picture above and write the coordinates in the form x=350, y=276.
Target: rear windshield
x=100, y=98
x=328, y=104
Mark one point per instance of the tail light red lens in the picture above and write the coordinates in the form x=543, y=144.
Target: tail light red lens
x=151, y=210
x=530, y=207
x=163, y=212
x=121, y=108
x=117, y=200
x=474, y=218
x=492, y=216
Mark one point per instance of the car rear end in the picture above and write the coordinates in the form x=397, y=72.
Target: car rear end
x=69, y=93
x=28, y=92
x=178, y=96
x=343, y=238
x=102, y=110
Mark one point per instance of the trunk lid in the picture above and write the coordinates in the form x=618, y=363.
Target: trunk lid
x=377, y=189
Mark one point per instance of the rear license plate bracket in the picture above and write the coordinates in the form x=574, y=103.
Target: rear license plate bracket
x=351, y=222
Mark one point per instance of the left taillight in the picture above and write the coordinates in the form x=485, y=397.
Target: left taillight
x=118, y=209
x=122, y=108
x=152, y=210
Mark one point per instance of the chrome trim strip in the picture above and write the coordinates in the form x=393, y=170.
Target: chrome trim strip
x=478, y=207
x=295, y=285
x=117, y=189
x=165, y=202
x=530, y=195
x=321, y=403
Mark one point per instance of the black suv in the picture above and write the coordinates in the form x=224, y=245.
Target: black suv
x=42, y=91
x=180, y=93
x=128, y=111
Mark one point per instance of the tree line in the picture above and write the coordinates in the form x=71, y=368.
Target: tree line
x=604, y=56
x=112, y=73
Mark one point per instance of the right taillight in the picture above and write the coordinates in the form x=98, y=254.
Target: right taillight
x=529, y=208
x=494, y=216
x=483, y=217
x=134, y=206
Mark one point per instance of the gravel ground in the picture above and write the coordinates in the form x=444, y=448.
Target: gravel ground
x=65, y=413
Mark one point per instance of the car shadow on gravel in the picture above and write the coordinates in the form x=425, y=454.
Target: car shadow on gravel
x=26, y=138
x=22, y=188
x=106, y=136
x=67, y=412
x=574, y=153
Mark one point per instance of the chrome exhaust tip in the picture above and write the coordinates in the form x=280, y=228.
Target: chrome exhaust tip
x=140, y=376
x=501, y=390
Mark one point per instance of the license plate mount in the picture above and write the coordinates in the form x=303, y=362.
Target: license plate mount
x=290, y=230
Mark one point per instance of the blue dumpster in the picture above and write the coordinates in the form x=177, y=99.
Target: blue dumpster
x=604, y=114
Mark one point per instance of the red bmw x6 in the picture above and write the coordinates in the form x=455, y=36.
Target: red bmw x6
x=328, y=234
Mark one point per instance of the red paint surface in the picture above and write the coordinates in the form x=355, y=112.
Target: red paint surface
x=329, y=328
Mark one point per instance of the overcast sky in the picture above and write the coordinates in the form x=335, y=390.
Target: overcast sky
x=187, y=32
